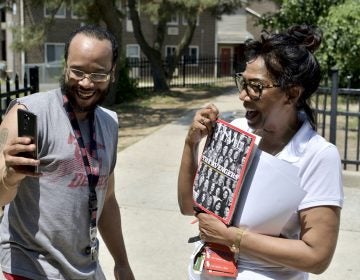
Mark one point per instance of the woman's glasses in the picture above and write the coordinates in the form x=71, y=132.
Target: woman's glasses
x=253, y=88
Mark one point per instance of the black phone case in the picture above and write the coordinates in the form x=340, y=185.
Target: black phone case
x=27, y=126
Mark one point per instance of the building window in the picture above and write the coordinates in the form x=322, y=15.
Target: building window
x=132, y=51
x=129, y=26
x=61, y=12
x=184, y=20
x=75, y=12
x=174, y=20
x=172, y=30
x=133, y=58
x=191, y=55
x=170, y=50
x=169, y=53
x=54, y=53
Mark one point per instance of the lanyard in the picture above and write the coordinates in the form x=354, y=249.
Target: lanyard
x=91, y=168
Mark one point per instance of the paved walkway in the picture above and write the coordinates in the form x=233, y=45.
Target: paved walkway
x=156, y=233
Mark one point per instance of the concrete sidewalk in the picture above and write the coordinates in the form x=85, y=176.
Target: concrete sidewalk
x=156, y=233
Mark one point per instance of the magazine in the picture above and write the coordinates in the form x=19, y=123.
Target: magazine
x=222, y=168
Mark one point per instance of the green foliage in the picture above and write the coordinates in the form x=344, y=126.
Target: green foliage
x=125, y=87
x=160, y=13
x=341, y=44
x=87, y=9
x=298, y=12
x=188, y=8
x=32, y=35
x=339, y=21
x=28, y=37
x=220, y=7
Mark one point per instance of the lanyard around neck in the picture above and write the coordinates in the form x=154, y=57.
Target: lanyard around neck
x=91, y=167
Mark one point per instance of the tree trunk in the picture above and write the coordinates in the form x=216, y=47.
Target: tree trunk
x=113, y=22
x=153, y=55
x=184, y=43
x=159, y=77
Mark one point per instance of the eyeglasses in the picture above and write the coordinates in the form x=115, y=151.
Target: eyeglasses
x=94, y=77
x=253, y=88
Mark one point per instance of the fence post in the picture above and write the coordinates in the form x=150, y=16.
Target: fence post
x=17, y=85
x=8, y=99
x=26, y=84
x=1, y=103
x=333, y=108
x=184, y=70
x=34, y=79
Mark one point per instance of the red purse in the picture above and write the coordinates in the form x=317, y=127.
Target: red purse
x=217, y=260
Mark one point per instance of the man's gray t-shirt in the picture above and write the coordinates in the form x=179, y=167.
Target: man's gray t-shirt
x=45, y=229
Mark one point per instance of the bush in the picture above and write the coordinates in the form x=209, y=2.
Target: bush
x=126, y=87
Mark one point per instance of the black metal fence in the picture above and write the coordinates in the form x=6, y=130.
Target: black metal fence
x=188, y=72
x=338, y=111
x=337, y=108
x=29, y=87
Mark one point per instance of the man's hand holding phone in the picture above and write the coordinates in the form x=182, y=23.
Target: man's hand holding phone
x=19, y=158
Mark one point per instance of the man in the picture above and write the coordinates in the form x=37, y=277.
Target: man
x=51, y=218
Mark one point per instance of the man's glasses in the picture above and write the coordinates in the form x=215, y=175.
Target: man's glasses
x=94, y=77
x=253, y=88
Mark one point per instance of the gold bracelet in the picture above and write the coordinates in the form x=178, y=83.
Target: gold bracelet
x=235, y=247
x=2, y=180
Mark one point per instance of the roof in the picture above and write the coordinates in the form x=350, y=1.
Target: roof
x=238, y=37
x=231, y=29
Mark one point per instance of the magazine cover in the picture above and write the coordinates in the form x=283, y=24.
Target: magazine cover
x=226, y=157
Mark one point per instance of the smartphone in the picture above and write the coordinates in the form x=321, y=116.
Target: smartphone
x=27, y=126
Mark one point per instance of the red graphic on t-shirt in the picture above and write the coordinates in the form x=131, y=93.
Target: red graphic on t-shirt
x=76, y=168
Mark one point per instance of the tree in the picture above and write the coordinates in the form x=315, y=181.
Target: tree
x=297, y=12
x=160, y=13
x=338, y=19
x=96, y=11
x=341, y=44
x=92, y=11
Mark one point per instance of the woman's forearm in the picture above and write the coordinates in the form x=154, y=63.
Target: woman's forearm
x=187, y=173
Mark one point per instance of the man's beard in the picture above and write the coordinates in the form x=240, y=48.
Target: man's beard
x=71, y=92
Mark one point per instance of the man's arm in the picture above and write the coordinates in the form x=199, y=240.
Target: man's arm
x=111, y=232
x=11, y=173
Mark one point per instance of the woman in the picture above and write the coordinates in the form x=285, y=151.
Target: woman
x=215, y=178
x=217, y=207
x=212, y=188
x=226, y=163
x=201, y=198
x=225, y=196
x=280, y=77
x=217, y=194
x=209, y=202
